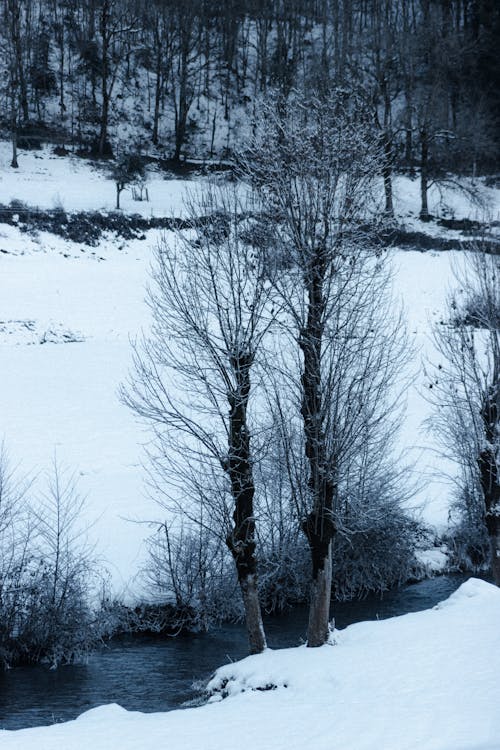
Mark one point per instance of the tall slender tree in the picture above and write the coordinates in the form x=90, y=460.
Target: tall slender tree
x=313, y=163
x=193, y=381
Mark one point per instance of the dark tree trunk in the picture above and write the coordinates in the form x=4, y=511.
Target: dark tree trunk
x=102, y=147
x=489, y=476
x=318, y=526
x=119, y=189
x=156, y=116
x=387, y=175
x=14, y=163
x=13, y=131
x=181, y=109
x=241, y=539
x=159, y=39
x=388, y=154
x=409, y=143
x=424, y=175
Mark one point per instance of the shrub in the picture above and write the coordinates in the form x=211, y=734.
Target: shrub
x=48, y=578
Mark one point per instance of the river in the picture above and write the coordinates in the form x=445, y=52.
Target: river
x=157, y=674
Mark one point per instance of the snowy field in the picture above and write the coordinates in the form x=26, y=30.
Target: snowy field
x=47, y=181
x=67, y=314
x=424, y=681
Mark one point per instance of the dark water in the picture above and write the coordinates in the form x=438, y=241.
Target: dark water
x=147, y=674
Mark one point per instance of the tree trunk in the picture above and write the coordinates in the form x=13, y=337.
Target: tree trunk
x=14, y=163
x=489, y=475
x=241, y=538
x=103, y=132
x=156, y=116
x=495, y=554
x=318, y=526
x=182, y=108
x=388, y=155
x=424, y=175
x=253, y=615
x=319, y=605
x=408, y=124
x=387, y=175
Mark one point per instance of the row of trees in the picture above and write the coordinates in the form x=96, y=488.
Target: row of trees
x=175, y=71
x=273, y=373
x=272, y=370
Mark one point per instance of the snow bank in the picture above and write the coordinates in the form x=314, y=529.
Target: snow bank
x=424, y=681
x=433, y=560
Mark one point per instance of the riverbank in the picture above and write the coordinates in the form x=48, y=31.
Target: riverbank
x=426, y=680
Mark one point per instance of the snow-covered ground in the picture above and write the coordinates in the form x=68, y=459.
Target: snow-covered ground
x=477, y=203
x=67, y=313
x=423, y=681
x=46, y=181
x=60, y=396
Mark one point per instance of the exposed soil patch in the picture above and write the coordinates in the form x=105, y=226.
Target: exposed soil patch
x=86, y=227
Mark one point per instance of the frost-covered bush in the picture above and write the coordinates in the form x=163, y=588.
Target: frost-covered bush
x=47, y=576
x=467, y=538
x=43, y=626
x=478, y=310
x=374, y=558
x=469, y=547
x=191, y=575
x=284, y=574
x=374, y=548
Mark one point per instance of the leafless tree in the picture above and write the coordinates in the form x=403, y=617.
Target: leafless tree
x=313, y=164
x=192, y=383
x=466, y=390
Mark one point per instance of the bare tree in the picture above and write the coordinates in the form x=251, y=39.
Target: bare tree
x=185, y=67
x=192, y=379
x=128, y=169
x=466, y=390
x=313, y=163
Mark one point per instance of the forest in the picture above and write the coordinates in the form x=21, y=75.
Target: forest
x=183, y=80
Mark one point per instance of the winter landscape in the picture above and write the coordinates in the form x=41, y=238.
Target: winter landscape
x=250, y=348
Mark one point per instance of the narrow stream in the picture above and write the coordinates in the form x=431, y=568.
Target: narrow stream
x=153, y=674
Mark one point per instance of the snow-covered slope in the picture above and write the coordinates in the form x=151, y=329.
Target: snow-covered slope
x=67, y=313
x=424, y=681
x=59, y=395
